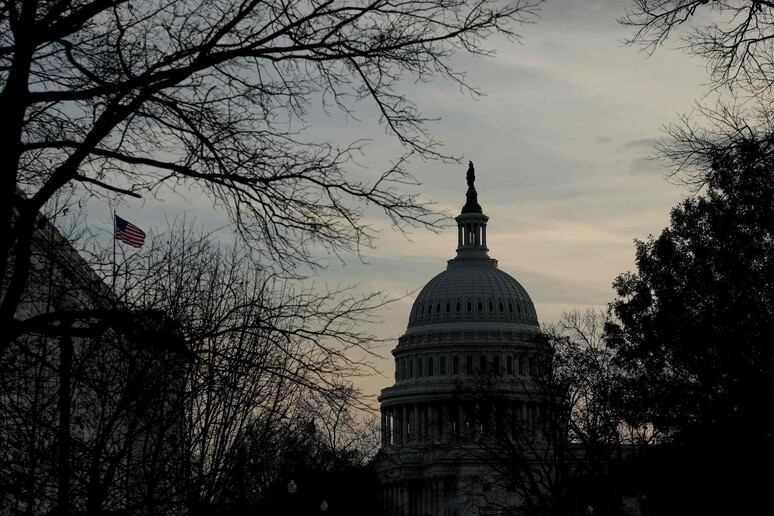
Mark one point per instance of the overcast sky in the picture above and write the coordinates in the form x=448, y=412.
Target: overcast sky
x=560, y=143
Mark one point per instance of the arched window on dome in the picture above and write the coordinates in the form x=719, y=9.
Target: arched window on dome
x=443, y=365
x=510, y=306
x=480, y=306
x=448, y=307
x=509, y=365
x=501, y=307
x=419, y=367
x=411, y=368
x=491, y=306
x=496, y=365
x=430, y=366
x=470, y=306
x=458, y=307
x=520, y=365
x=482, y=364
x=438, y=308
x=456, y=365
x=469, y=364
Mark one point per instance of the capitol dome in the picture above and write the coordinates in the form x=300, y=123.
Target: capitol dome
x=465, y=371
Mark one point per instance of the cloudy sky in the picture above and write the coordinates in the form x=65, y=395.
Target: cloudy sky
x=560, y=141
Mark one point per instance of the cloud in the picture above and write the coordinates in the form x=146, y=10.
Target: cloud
x=648, y=143
x=646, y=164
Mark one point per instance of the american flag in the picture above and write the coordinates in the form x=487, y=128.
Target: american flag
x=129, y=233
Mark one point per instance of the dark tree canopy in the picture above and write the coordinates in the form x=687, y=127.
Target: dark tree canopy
x=694, y=333
x=695, y=319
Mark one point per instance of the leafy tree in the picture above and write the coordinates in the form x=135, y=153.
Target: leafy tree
x=694, y=332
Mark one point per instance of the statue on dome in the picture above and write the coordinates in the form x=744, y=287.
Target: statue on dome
x=471, y=197
x=471, y=176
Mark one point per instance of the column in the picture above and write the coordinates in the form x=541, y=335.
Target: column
x=419, y=503
x=508, y=418
x=461, y=420
x=396, y=434
x=475, y=420
x=519, y=416
x=438, y=498
x=395, y=426
x=417, y=427
x=410, y=424
x=402, y=498
x=404, y=425
x=389, y=426
x=495, y=418
x=432, y=422
x=445, y=422
x=431, y=496
x=383, y=413
x=423, y=422
x=425, y=496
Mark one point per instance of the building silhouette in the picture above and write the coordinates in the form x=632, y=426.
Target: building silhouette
x=464, y=378
x=84, y=404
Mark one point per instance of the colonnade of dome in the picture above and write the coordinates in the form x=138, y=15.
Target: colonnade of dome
x=444, y=421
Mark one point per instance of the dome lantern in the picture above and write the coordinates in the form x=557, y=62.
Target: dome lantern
x=471, y=224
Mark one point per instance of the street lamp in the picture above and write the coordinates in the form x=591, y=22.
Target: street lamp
x=292, y=488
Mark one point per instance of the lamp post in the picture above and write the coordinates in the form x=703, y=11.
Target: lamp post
x=292, y=488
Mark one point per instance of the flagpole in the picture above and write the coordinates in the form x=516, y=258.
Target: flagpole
x=115, y=268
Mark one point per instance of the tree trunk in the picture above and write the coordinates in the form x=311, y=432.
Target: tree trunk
x=63, y=480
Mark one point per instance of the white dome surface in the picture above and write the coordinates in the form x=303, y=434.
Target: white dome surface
x=472, y=290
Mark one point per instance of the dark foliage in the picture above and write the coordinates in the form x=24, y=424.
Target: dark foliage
x=264, y=464
x=694, y=336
